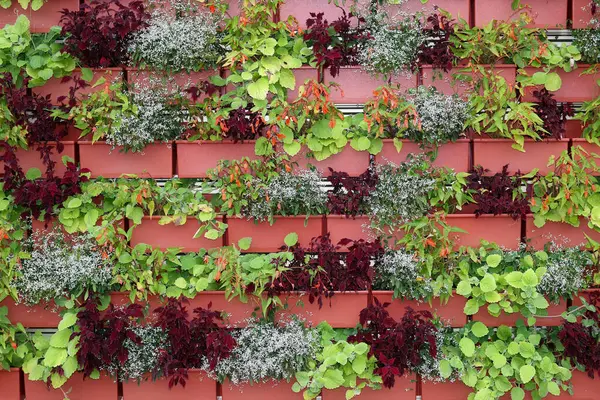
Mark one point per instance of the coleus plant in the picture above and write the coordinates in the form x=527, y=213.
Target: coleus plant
x=399, y=346
x=335, y=44
x=348, y=196
x=98, y=34
x=438, y=27
x=191, y=343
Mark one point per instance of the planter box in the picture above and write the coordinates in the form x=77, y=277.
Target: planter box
x=511, y=319
x=458, y=8
x=269, y=390
x=576, y=86
x=444, y=83
x=31, y=158
x=267, y=238
x=198, y=386
x=348, y=160
x=582, y=13
x=41, y=20
x=301, y=74
x=561, y=233
x=301, y=10
x=342, y=310
x=194, y=159
x=38, y=316
x=237, y=312
x=171, y=235
x=56, y=88
x=10, y=382
x=80, y=389
x=451, y=312
x=574, y=129
x=546, y=13
x=357, y=85
x=444, y=390
x=181, y=80
x=405, y=388
x=341, y=227
x=500, y=229
x=493, y=154
x=584, y=387
x=452, y=155
x=156, y=160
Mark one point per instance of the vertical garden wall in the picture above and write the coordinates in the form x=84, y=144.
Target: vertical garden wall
x=262, y=199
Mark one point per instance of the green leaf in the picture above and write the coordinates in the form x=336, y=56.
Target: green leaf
x=467, y=347
x=515, y=279
x=541, y=302
x=493, y=297
x=341, y=358
x=471, y=307
x=333, y=379
x=33, y=174
x=70, y=366
x=244, y=243
x=87, y=74
x=212, y=234
x=181, y=283
x=530, y=278
x=359, y=364
x=61, y=339
x=553, y=82
x=291, y=239
x=262, y=147
x=259, y=89
x=488, y=283
x=553, y=388
x=493, y=260
x=361, y=144
x=527, y=372
x=287, y=79
x=445, y=369
x=479, y=329
x=55, y=357
x=67, y=321
x=201, y=284
x=292, y=148
x=464, y=288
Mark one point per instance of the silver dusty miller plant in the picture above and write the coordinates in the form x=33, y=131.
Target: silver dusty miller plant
x=61, y=266
x=178, y=38
x=565, y=272
x=299, y=193
x=400, y=194
x=400, y=271
x=442, y=117
x=160, y=116
x=394, y=44
x=142, y=358
x=269, y=352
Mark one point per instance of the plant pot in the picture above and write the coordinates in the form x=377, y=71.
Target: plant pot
x=500, y=229
x=171, y=235
x=76, y=387
x=405, y=388
x=56, y=88
x=357, y=85
x=574, y=129
x=452, y=155
x=10, y=382
x=269, y=390
x=451, y=312
x=301, y=10
x=341, y=227
x=576, y=86
x=31, y=158
x=554, y=310
x=444, y=390
x=268, y=238
x=584, y=387
x=348, y=160
x=340, y=311
x=444, y=83
x=493, y=154
x=199, y=386
x=546, y=13
x=41, y=20
x=561, y=233
x=581, y=13
x=177, y=80
x=237, y=312
x=155, y=161
x=37, y=316
x=302, y=74
x=458, y=8
x=234, y=7
x=194, y=159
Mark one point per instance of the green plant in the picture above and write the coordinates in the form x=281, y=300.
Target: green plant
x=589, y=115
x=490, y=276
x=35, y=4
x=15, y=343
x=12, y=233
x=338, y=364
x=38, y=57
x=505, y=360
x=569, y=193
